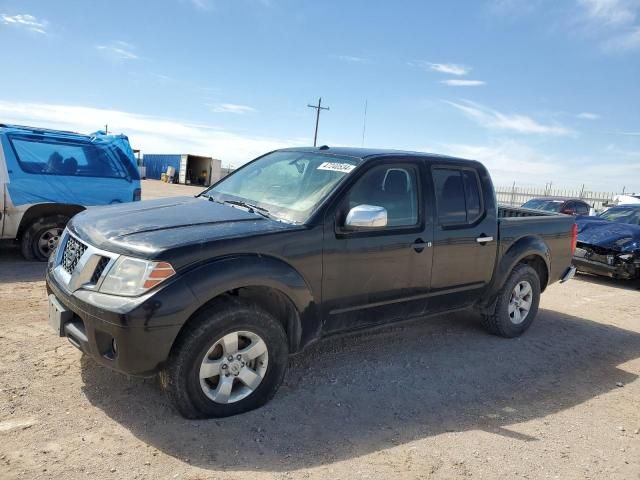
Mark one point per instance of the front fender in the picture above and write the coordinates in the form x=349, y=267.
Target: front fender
x=209, y=280
x=215, y=278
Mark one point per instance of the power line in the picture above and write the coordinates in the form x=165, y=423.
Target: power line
x=318, y=108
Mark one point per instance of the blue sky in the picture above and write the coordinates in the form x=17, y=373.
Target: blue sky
x=539, y=90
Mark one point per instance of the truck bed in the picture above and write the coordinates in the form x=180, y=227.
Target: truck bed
x=554, y=229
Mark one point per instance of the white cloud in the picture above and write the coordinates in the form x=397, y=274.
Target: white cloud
x=350, y=58
x=507, y=160
x=448, y=68
x=211, y=4
x=202, y=4
x=629, y=40
x=118, y=50
x=148, y=133
x=27, y=21
x=588, y=116
x=496, y=120
x=615, y=150
x=614, y=20
x=512, y=8
x=610, y=12
x=510, y=161
x=231, y=108
x=463, y=83
x=628, y=134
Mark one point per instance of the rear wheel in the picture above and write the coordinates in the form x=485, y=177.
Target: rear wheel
x=41, y=238
x=231, y=360
x=517, y=304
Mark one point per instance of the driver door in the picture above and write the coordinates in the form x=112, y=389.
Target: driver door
x=383, y=274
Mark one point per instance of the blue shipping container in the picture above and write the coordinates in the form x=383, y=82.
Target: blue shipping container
x=157, y=164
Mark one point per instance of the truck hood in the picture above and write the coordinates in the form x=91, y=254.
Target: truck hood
x=151, y=228
x=619, y=237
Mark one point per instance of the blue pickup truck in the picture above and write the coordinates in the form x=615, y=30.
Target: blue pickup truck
x=47, y=176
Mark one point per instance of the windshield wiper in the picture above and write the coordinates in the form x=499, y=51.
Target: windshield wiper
x=250, y=207
x=246, y=205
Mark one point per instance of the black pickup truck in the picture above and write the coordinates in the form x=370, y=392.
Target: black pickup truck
x=215, y=291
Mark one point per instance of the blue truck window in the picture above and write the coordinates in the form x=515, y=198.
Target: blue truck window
x=49, y=157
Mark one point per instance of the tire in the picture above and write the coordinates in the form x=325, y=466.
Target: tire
x=507, y=321
x=205, y=338
x=40, y=238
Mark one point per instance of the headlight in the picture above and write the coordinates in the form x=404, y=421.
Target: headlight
x=131, y=277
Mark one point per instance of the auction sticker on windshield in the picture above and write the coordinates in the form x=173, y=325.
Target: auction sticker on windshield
x=336, y=167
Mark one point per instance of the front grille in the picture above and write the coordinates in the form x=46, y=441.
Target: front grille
x=73, y=250
x=97, y=273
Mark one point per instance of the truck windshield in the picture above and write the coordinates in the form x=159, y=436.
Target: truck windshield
x=622, y=215
x=544, y=204
x=285, y=185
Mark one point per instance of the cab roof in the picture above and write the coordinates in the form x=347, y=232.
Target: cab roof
x=10, y=128
x=367, y=153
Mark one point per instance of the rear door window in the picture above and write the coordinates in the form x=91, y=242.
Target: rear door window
x=67, y=158
x=458, y=196
x=472, y=195
x=582, y=208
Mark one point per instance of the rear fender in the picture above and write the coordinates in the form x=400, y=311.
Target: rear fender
x=522, y=250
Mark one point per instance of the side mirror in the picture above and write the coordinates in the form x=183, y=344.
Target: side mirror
x=568, y=211
x=364, y=217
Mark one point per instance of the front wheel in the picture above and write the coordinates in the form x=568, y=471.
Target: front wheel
x=517, y=304
x=40, y=239
x=230, y=360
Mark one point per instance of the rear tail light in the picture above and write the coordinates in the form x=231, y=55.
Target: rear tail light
x=574, y=238
x=137, y=195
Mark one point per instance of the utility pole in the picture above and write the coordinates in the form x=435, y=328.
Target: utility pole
x=318, y=108
x=364, y=121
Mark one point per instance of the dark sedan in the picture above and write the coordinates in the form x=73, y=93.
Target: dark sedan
x=568, y=206
x=609, y=244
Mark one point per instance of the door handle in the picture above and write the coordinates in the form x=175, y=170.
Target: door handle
x=482, y=239
x=419, y=245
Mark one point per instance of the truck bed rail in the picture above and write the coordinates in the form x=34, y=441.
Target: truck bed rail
x=508, y=212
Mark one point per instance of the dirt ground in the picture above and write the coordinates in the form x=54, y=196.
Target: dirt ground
x=435, y=398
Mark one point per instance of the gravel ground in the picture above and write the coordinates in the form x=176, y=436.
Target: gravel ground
x=433, y=398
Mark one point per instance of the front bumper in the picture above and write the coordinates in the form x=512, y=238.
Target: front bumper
x=623, y=272
x=132, y=337
x=607, y=264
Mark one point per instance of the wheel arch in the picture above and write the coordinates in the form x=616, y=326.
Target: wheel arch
x=264, y=281
x=529, y=250
x=41, y=210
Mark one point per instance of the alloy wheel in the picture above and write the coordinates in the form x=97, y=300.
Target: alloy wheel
x=234, y=367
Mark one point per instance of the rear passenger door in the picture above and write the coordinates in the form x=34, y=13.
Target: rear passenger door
x=465, y=237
